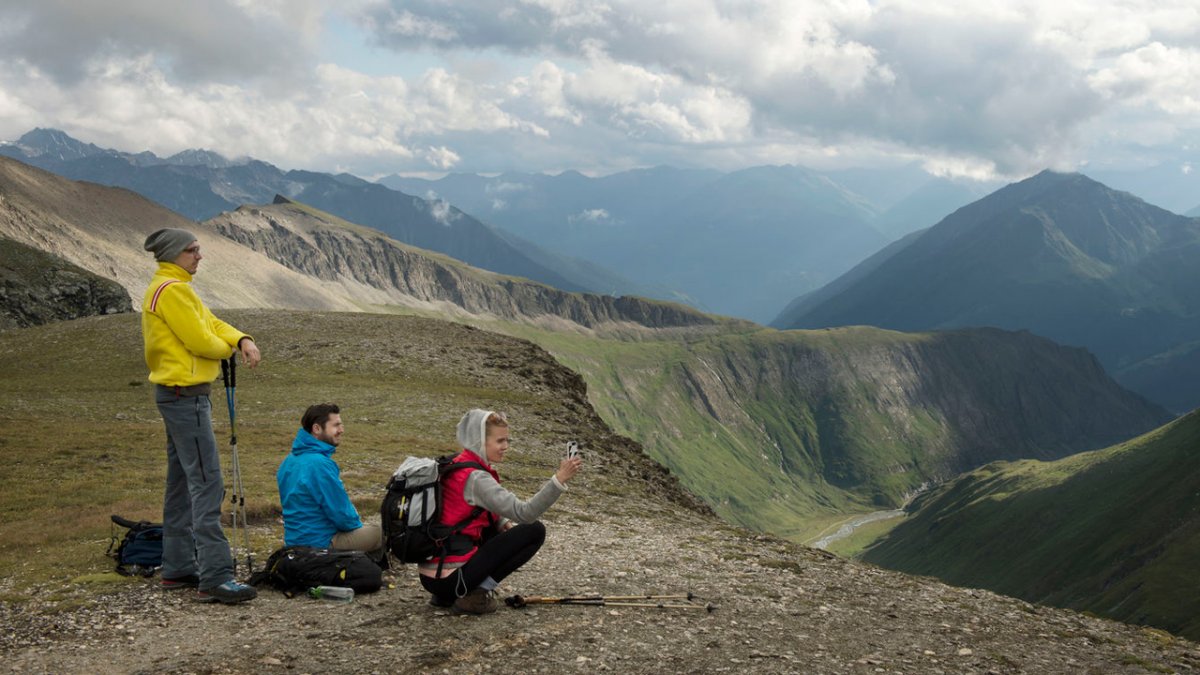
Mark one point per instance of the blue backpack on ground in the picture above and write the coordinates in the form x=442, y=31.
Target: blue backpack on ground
x=140, y=551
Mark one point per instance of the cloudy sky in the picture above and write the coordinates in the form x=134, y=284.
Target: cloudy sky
x=967, y=88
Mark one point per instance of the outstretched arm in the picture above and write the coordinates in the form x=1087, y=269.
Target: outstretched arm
x=483, y=490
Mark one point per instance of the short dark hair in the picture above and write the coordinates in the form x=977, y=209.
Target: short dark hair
x=318, y=414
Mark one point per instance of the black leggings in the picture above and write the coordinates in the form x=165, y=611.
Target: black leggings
x=497, y=558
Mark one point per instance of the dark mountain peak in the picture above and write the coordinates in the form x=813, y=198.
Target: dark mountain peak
x=280, y=199
x=1113, y=227
x=200, y=157
x=351, y=180
x=58, y=144
x=1057, y=253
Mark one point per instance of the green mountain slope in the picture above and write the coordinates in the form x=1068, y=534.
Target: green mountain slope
x=782, y=431
x=1058, y=254
x=1115, y=531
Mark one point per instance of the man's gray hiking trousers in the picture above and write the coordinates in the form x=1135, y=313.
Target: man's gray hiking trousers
x=193, y=542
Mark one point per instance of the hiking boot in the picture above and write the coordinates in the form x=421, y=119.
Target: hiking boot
x=228, y=593
x=439, y=601
x=176, y=583
x=477, y=601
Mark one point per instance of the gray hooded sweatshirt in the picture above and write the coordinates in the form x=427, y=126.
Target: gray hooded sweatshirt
x=483, y=490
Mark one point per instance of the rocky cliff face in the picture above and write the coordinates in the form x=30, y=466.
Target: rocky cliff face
x=323, y=246
x=37, y=288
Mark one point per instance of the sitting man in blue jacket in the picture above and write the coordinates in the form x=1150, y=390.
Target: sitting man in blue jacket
x=316, y=509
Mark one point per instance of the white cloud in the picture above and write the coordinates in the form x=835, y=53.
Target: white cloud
x=1156, y=76
x=968, y=88
x=442, y=157
x=590, y=216
x=1013, y=86
x=504, y=187
x=440, y=209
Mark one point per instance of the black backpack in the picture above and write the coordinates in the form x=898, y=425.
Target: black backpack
x=140, y=551
x=295, y=569
x=411, y=510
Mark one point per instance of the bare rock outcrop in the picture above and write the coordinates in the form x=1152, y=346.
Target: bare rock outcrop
x=37, y=288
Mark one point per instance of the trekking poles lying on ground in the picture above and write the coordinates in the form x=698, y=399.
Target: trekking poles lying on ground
x=673, y=601
x=237, y=495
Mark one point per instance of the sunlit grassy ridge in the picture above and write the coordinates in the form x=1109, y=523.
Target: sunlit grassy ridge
x=1115, y=532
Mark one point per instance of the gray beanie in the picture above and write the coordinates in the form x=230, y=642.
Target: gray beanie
x=168, y=243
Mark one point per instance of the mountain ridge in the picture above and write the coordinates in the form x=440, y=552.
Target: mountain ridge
x=779, y=430
x=319, y=244
x=201, y=184
x=1058, y=254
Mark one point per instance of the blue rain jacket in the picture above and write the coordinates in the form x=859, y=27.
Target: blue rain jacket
x=315, y=503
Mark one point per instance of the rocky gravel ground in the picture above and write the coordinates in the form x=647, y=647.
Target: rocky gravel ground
x=779, y=607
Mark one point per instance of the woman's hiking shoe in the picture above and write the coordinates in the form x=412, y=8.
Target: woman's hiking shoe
x=228, y=593
x=477, y=601
x=176, y=583
x=439, y=601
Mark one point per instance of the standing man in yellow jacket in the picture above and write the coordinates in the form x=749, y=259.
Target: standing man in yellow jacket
x=184, y=345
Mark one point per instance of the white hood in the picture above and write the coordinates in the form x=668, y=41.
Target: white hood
x=472, y=430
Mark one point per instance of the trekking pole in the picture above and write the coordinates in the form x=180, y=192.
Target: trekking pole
x=237, y=493
x=517, y=601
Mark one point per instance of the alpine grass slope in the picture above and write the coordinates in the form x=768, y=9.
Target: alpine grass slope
x=1115, y=531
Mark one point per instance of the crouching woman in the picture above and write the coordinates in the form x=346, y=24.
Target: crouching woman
x=501, y=533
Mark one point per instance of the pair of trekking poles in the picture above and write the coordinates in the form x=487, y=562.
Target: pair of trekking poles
x=237, y=494
x=688, y=601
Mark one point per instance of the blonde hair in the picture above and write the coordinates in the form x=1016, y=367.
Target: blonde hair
x=496, y=419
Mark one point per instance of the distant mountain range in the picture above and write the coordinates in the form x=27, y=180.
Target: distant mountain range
x=739, y=243
x=1115, y=532
x=326, y=247
x=291, y=256
x=1058, y=254
x=200, y=184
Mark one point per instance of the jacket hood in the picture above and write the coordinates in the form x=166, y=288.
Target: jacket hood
x=472, y=430
x=306, y=443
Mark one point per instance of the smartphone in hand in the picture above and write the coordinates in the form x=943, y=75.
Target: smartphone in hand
x=573, y=449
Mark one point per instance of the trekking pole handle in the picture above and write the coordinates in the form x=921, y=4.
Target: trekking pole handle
x=233, y=369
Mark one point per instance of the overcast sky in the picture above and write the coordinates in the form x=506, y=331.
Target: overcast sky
x=986, y=89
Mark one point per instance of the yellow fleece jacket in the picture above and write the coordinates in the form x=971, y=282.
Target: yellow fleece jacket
x=184, y=342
